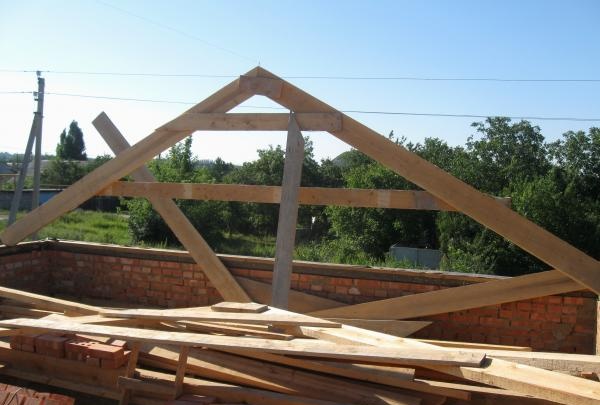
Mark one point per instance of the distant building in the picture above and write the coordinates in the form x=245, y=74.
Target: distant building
x=6, y=173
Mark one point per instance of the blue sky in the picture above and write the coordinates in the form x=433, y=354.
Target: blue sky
x=459, y=39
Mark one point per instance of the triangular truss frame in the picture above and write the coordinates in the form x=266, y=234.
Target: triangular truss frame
x=574, y=269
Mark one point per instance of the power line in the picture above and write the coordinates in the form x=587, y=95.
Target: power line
x=16, y=92
x=522, y=117
x=298, y=77
x=176, y=30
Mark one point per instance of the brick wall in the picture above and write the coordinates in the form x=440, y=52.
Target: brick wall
x=25, y=267
x=164, y=278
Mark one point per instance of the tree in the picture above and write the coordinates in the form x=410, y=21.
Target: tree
x=207, y=216
x=71, y=145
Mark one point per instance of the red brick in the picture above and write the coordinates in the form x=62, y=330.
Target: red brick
x=573, y=300
x=53, y=342
x=78, y=347
x=103, y=351
x=554, y=300
x=569, y=309
x=116, y=362
x=92, y=361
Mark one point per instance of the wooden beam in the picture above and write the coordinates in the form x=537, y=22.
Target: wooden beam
x=527, y=380
x=234, y=393
x=181, y=367
x=47, y=303
x=459, y=298
x=134, y=157
x=390, y=376
x=544, y=384
x=384, y=355
x=390, y=327
x=234, y=369
x=482, y=208
x=239, y=307
x=183, y=229
x=255, y=122
x=130, y=371
x=231, y=330
x=345, y=197
x=299, y=301
x=271, y=317
x=288, y=216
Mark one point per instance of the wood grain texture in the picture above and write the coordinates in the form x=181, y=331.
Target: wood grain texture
x=288, y=216
x=459, y=298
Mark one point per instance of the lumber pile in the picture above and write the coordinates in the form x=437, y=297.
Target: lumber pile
x=251, y=353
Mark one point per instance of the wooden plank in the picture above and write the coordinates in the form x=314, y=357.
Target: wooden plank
x=299, y=301
x=240, y=307
x=527, y=380
x=470, y=345
x=12, y=311
x=345, y=197
x=234, y=393
x=130, y=371
x=390, y=327
x=183, y=229
x=288, y=216
x=379, y=355
x=235, y=369
x=229, y=329
x=544, y=384
x=391, y=376
x=135, y=384
x=459, y=298
x=61, y=382
x=255, y=122
x=271, y=317
x=482, y=208
x=181, y=367
x=47, y=303
x=260, y=86
x=132, y=158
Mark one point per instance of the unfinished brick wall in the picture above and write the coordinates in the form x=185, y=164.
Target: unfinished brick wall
x=25, y=267
x=161, y=278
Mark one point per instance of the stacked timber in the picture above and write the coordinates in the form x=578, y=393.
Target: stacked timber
x=254, y=354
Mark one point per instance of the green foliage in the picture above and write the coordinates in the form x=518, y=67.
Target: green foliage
x=179, y=166
x=71, y=145
x=62, y=172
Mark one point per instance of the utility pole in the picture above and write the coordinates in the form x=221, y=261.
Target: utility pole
x=35, y=135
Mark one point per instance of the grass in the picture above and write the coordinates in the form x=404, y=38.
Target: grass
x=247, y=245
x=87, y=226
x=102, y=227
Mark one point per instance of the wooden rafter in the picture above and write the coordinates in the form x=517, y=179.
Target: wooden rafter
x=482, y=208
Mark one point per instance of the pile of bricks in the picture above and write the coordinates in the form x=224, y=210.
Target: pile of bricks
x=12, y=395
x=73, y=347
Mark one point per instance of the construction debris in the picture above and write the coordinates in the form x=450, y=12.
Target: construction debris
x=147, y=356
